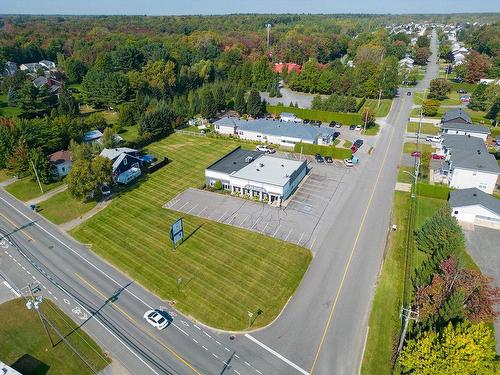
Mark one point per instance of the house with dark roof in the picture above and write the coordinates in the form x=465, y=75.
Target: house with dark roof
x=458, y=122
x=61, y=163
x=274, y=131
x=474, y=206
x=123, y=159
x=467, y=164
x=456, y=115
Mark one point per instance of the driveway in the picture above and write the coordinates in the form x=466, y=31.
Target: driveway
x=482, y=245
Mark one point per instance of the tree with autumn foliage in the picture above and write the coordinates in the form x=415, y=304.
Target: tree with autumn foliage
x=461, y=349
x=476, y=66
x=422, y=55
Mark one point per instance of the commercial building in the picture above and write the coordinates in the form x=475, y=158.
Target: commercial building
x=273, y=131
x=256, y=175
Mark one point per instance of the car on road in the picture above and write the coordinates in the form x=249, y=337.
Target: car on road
x=434, y=139
x=265, y=148
x=352, y=127
x=358, y=143
x=461, y=91
x=416, y=154
x=438, y=156
x=358, y=128
x=328, y=159
x=408, y=93
x=319, y=158
x=158, y=319
x=348, y=163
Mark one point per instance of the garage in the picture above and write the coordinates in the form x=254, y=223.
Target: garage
x=473, y=206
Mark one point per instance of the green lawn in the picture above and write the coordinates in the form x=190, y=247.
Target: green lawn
x=130, y=133
x=4, y=175
x=453, y=98
x=372, y=130
x=313, y=114
x=347, y=143
x=405, y=177
x=27, y=188
x=382, y=110
x=7, y=111
x=22, y=334
x=409, y=147
x=426, y=128
x=62, y=207
x=225, y=271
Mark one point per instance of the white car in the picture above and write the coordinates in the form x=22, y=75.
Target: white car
x=358, y=128
x=348, y=163
x=265, y=148
x=434, y=139
x=158, y=319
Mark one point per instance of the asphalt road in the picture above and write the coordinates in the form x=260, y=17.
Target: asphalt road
x=322, y=330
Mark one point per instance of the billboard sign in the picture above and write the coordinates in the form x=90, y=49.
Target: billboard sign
x=176, y=232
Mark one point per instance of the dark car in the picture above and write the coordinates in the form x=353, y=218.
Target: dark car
x=332, y=124
x=319, y=158
x=462, y=91
x=336, y=135
x=352, y=127
x=408, y=93
x=358, y=143
x=328, y=159
x=317, y=123
x=306, y=121
x=73, y=90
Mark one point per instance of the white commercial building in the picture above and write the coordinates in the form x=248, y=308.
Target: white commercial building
x=256, y=175
x=277, y=132
x=475, y=207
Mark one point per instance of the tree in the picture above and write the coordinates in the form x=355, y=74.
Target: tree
x=240, y=104
x=422, y=55
x=254, y=107
x=108, y=139
x=476, y=66
x=11, y=96
x=368, y=116
x=80, y=179
x=27, y=100
x=439, y=88
x=105, y=88
x=74, y=70
x=262, y=74
x=126, y=58
x=67, y=105
x=42, y=166
x=80, y=151
x=423, y=41
x=102, y=169
x=128, y=114
x=478, y=98
x=463, y=349
x=158, y=122
x=160, y=75
x=19, y=159
x=430, y=107
x=494, y=111
x=208, y=106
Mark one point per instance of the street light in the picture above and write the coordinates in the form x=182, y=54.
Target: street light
x=34, y=303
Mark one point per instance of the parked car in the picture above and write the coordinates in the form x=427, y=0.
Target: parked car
x=461, y=91
x=306, y=121
x=336, y=135
x=105, y=190
x=317, y=123
x=438, y=156
x=352, y=127
x=416, y=154
x=319, y=158
x=358, y=143
x=265, y=148
x=354, y=149
x=408, y=93
x=434, y=139
x=339, y=125
x=328, y=159
x=158, y=319
x=348, y=162
x=358, y=128
x=332, y=124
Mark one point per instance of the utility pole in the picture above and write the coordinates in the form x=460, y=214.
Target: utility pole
x=408, y=314
x=268, y=27
x=35, y=303
x=366, y=119
x=36, y=175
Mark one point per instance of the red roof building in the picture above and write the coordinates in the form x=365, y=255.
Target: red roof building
x=291, y=67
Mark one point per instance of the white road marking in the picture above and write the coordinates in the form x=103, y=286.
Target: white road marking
x=24, y=268
x=195, y=326
x=258, y=371
x=246, y=217
x=286, y=238
x=290, y=363
x=195, y=341
x=66, y=301
x=314, y=241
x=199, y=213
x=264, y=230
x=218, y=343
x=49, y=292
x=196, y=205
x=215, y=355
x=276, y=231
x=256, y=221
x=11, y=289
x=248, y=364
x=204, y=348
x=236, y=356
x=220, y=218
x=180, y=329
x=206, y=334
x=236, y=372
x=300, y=238
x=181, y=207
x=227, y=349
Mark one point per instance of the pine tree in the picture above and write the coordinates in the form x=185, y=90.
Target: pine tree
x=452, y=310
x=254, y=104
x=240, y=104
x=11, y=97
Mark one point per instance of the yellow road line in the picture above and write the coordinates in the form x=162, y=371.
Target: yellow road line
x=138, y=324
x=17, y=226
x=346, y=269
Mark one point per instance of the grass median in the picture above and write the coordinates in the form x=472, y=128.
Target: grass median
x=220, y=272
x=26, y=347
x=62, y=207
x=426, y=128
x=27, y=188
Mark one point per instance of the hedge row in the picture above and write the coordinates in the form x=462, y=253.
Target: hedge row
x=334, y=152
x=361, y=104
x=314, y=114
x=433, y=191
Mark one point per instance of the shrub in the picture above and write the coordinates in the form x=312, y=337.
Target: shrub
x=217, y=185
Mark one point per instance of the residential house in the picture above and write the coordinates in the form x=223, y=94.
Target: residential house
x=273, y=131
x=47, y=64
x=474, y=206
x=10, y=68
x=95, y=135
x=406, y=63
x=40, y=81
x=456, y=115
x=30, y=67
x=467, y=164
x=459, y=128
x=255, y=174
x=123, y=159
x=61, y=163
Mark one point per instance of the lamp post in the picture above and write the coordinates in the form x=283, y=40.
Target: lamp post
x=35, y=303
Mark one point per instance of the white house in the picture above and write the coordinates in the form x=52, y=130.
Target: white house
x=47, y=64
x=407, y=63
x=467, y=164
x=475, y=207
x=457, y=128
x=61, y=163
x=255, y=174
x=30, y=67
x=277, y=132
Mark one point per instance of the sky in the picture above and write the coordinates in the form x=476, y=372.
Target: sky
x=176, y=7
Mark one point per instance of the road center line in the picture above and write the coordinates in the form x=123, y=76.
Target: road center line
x=287, y=361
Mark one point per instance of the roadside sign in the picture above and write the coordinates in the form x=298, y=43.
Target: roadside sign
x=176, y=232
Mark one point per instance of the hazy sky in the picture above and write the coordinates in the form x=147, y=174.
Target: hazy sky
x=166, y=7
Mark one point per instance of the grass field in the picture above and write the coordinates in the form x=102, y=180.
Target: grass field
x=382, y=110
x=372, y=130
x=225, y=271
x=130, y=133
x=62, y=207
x=4, y=175
x=313, y=114
x=7, y=111
x=405, y=177
x=23, y=335
x=409, y=147
x=426, y=128
x=26, y=188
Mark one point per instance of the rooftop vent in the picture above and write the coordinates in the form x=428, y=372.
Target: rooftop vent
x=234, y=162
x=283, y=165
x=261, y=165
x=479, y=152
x=474, y=194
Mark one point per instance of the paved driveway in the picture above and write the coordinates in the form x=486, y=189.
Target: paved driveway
x=295, y=222
x=483, y=245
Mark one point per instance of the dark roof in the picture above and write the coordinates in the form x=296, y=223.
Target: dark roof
x=473, y=196
x=471, y=128
x=456, y=113
x=234, y=161
x=60, y=157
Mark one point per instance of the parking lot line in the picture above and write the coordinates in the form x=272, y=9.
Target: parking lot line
x=300, y=239
x=232, y=219
x=192, y=208
x=276, y=231
x=288, y=235
x=199, y=213
x=264, y=230
x=245, y=219
x=254, y=224
x=181, y=207
x=220, y=218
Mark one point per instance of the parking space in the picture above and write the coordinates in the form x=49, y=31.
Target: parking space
x=294, y=222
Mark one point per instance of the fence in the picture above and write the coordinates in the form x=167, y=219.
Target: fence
x=186, y=132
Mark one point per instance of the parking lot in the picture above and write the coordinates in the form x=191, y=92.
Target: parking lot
x=294, y=222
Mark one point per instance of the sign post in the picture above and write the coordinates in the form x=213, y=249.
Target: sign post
x=177, y=232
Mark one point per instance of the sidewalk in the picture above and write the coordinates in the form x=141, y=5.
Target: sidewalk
x=47, y=195
x=8, y=182
x=75, y=222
